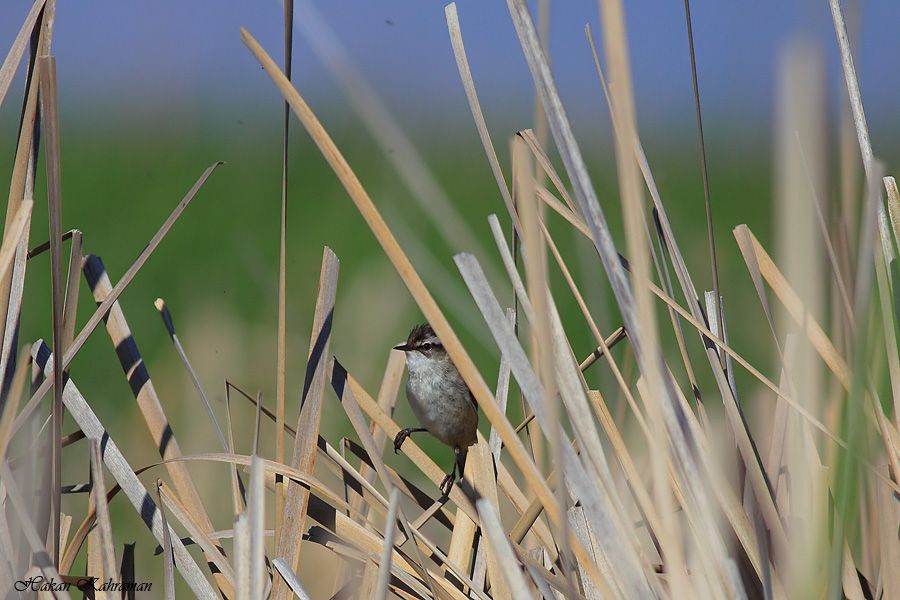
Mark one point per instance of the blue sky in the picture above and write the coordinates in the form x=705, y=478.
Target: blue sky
x=177, y=54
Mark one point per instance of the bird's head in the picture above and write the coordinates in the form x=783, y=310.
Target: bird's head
x=422, y=345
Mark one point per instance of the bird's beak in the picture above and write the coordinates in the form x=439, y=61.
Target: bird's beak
x=404, y=347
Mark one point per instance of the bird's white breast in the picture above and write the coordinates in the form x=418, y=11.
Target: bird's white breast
x=440, y=400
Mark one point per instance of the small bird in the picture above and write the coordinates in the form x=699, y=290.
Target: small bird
x=439, y=398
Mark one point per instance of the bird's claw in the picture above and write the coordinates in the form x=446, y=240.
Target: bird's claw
x=447, y=484
x=400, y=438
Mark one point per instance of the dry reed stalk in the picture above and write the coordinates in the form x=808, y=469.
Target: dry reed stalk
x=323, y=503
x=465, y=74
x=410, y=490
x=386, y=399
x=50, y=126
x=697, y=321
x=602, y=514
x=537, y=150
x=494, y=445
x=242, y=556
x=9, y=549
x=441, y=279
x=893, y=200
x=179, y=512
x=758, y=259
x=163, y=310
x=669, y=247
x=98, y=492
x=707, y=200
x=304, y=453
x=42, y=561
x=339, y=381
x=380, y=590
x=486, y=487
x=663, y=235
x=82, y=533
x=738, y=425
x=13, y=398
x=256, y=508
x=21, y=187
x=168, y=557
x=462, y=537
x=148, y=400
x=422, y=461
x=237, y=485
x=281, y=350
x=73, y=289
x=12, y=263
x=502, y=551
x=799, y=166
x=587, y=199
x=17, y=49
x=604, y=346
x=534, y=251
x=291, y=578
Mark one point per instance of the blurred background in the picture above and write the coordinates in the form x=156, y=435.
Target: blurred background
x=153, y=93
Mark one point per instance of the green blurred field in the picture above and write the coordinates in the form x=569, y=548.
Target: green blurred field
x=217, y=269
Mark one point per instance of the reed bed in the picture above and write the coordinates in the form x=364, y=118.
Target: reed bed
x=667, y=481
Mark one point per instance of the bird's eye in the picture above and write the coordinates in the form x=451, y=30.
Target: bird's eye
x=426, y=346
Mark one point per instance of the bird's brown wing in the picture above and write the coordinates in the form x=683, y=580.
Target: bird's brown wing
x=472, y=400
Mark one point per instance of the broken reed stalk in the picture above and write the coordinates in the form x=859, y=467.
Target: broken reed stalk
x=704, y=173
x=169, y=324
x=308, y=423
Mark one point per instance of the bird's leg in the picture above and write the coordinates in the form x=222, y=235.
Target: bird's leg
x=461, y=454
x=459, y=465
x=403, y=434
